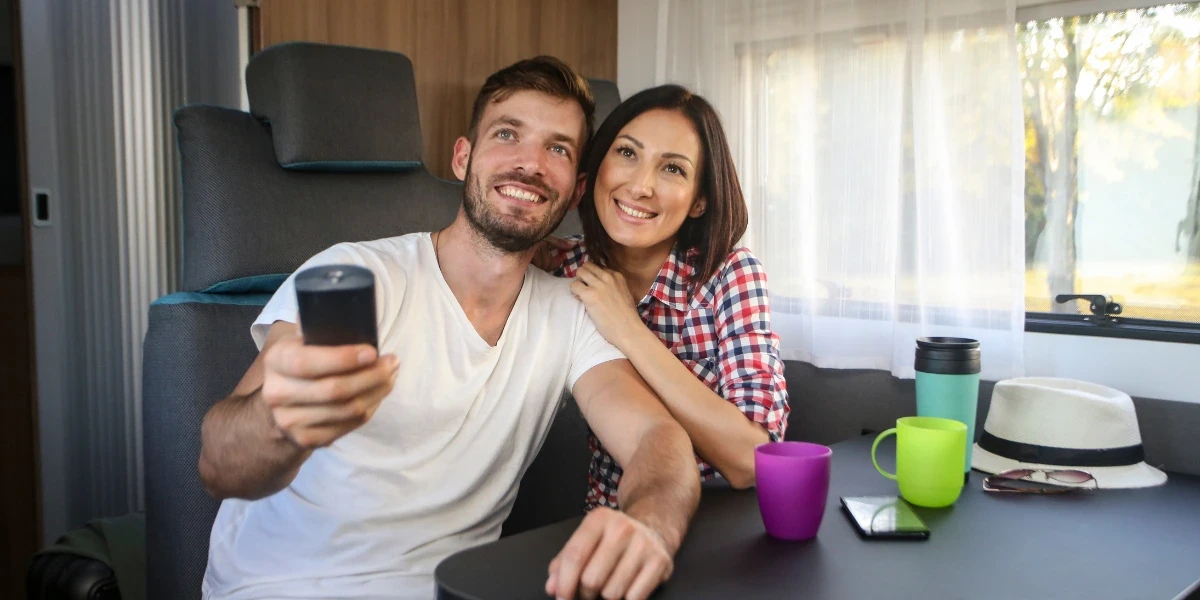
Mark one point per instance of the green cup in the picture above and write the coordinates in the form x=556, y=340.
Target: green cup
x=929, y=458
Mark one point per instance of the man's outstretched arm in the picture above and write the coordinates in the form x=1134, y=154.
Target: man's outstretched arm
x=292, y=400
x=629, y=553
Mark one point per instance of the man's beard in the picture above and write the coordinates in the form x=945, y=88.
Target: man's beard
x=505, y=233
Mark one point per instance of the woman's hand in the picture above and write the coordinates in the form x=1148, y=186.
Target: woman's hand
x=608, y=302
x=547, y=254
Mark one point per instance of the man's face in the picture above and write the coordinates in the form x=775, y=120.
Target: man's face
x=521, y=171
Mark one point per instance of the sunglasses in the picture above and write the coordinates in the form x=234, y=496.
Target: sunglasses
x=1021, y=481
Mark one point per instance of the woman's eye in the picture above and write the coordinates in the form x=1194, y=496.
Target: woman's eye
x=675, y=169
x=625, y=152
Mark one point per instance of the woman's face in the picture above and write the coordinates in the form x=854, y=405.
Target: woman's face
x=647, y=184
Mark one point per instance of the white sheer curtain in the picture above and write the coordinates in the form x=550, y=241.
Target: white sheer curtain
x=881, y=148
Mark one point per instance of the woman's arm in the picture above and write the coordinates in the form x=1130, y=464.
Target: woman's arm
x=721, y=434
x=751, y=407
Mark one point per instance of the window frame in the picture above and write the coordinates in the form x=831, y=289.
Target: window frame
x=1178, y=332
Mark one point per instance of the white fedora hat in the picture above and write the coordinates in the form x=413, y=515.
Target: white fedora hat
x=1048, y=423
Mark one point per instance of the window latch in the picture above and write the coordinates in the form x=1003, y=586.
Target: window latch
x=1103, y=308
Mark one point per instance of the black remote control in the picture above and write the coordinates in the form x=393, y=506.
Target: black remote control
x=337, y=305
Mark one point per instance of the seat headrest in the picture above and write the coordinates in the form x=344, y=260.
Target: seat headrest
x=337, y=108
x=607, y=97
x=247, y=222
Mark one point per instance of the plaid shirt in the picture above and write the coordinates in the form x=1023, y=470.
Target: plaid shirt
x=722, y=334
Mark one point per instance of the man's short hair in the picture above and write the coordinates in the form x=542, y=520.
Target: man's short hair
x=544, y=74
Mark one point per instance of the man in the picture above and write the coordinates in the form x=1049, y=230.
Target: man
x=347, y=473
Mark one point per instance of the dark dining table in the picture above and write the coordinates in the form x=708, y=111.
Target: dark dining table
x=1126, y=544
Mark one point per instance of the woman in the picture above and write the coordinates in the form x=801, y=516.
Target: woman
x=661, y=278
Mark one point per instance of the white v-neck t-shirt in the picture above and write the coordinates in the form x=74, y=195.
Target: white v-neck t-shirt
x=436, y=469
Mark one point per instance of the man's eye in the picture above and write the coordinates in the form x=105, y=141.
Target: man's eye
x=561, y=150
x=505, y=134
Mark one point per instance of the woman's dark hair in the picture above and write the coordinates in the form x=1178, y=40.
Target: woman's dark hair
x=713, y=234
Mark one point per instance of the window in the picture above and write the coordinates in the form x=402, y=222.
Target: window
x=891, y=167
x=1112, y=186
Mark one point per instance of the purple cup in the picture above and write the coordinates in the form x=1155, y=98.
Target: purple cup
x=793, y=483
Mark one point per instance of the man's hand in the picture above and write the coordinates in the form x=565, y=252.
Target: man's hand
x=317, y=394
x=547, y=253
x=610, y=556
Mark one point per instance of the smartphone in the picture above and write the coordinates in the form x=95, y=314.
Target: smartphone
x=884, y=517
x=337, y=305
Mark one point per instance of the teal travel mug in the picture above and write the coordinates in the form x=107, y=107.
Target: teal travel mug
x=948, y=383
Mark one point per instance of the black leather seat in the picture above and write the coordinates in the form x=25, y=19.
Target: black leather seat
x=70, y=577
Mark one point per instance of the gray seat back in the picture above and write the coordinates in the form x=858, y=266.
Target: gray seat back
x=607, y=97
x=331, y=153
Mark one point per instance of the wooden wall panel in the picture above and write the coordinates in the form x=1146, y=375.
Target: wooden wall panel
x=454, y=45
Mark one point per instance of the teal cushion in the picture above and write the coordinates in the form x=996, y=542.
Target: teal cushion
x=354, y=166
x=203, y=298
x=255, y=284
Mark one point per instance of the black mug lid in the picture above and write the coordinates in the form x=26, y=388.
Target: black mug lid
x=947, y=343
x=947, y=355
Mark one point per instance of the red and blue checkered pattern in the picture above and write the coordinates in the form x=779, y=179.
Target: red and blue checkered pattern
x=722, y=333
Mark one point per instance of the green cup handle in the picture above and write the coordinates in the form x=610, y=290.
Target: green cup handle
x=891, y=431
